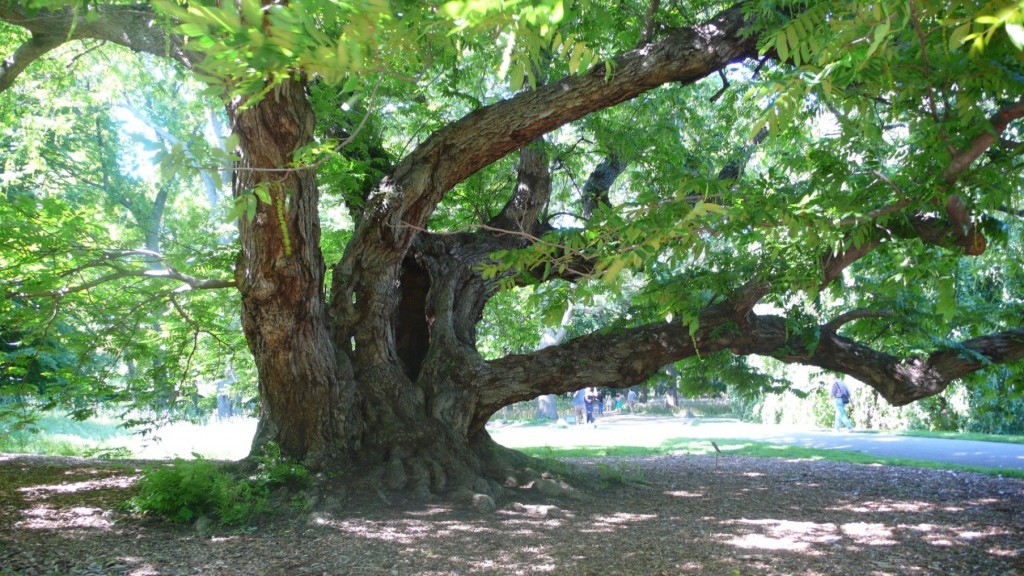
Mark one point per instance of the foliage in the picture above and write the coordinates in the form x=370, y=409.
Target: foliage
x=855, y=122
x=189, y=489
x=59, y=435
x=703, y=447
x=86, y=315
x=275, y=471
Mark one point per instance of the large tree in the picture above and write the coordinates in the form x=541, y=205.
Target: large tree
x=836, y=163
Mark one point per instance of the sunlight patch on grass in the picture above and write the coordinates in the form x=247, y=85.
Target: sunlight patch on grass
x=704, y=447
x=59, y=435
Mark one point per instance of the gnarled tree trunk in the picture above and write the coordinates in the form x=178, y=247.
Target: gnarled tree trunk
x=381, y=378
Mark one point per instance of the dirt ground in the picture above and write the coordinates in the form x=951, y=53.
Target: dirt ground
x=653, y=515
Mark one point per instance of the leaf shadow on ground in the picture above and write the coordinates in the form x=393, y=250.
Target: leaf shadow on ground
x=637, y=515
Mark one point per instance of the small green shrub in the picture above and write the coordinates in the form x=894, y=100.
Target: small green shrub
x=183, y=491
x=275, y=471
x=188, y=489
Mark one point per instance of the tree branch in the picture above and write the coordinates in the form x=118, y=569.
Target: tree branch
x=847, y=317
x=628, y=357
x=460, y=149
x=649, y=24
x=599, y=183
x=27, y=53
x=133, y=26
x=903, y=380
x=963, y=159
x=532, y=191
x=401, y=205
x=190, y=283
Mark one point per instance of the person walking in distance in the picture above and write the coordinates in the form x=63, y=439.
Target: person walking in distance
x=578, y=403
x=840, y=394
x=591, y=398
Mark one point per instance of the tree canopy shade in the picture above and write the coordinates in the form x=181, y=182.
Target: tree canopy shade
x=832, y=183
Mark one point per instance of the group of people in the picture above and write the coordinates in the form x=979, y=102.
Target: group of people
x=586, y=401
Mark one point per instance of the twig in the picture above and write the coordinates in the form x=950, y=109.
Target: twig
x=725, y=86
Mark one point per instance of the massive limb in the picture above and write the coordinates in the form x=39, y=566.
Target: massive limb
x=627, y=357
x=401, y=205
x=133, y=26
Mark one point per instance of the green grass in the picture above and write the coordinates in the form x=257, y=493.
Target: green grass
x=59, y=435
x=685, y=446
x=1006, y=439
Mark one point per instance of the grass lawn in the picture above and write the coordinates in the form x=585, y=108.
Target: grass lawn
x=686, y=446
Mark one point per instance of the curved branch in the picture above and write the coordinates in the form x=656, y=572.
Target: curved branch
x=628, y=357
x=613, y=360
x=460, y=149
x=532, y=191
x=190, y=283
x=845, y=318
x=133, y=26
x=902, y=380
x=403, y=202
x=27, y=53
x=599, y=184
x=963, y=159
x=957, y=232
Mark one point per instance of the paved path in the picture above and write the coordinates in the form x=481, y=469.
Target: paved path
x=652, y=431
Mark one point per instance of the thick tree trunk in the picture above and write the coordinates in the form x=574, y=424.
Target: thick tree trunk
x=384, y=381
x=303, y=382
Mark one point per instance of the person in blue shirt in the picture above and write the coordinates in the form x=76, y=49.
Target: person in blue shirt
x=579, y=402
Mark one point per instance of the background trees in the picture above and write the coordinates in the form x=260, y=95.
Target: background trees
x=819, y=184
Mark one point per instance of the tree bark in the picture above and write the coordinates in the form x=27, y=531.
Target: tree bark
x=303, y=383
x=383, y=379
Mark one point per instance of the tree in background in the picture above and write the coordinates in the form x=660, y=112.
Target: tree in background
x=774, y=178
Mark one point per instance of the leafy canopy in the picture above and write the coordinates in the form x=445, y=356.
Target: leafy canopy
x=859, y=116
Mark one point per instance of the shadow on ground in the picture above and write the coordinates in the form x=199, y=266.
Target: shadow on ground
x=655, y=515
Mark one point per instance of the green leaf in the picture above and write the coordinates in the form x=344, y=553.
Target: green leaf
x=253, y=11
x=557, y=12
x=553, y=314
x=1016, y=34
x=613, y=269
x=959, y=36
x=238, y=208
x=880, y=33
x=262, y=193
x=577, y=56
x=780, y=46
x=947, y=304
x=518, y=76
x=250, y=207
x=193, y=30
x=793, y=41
